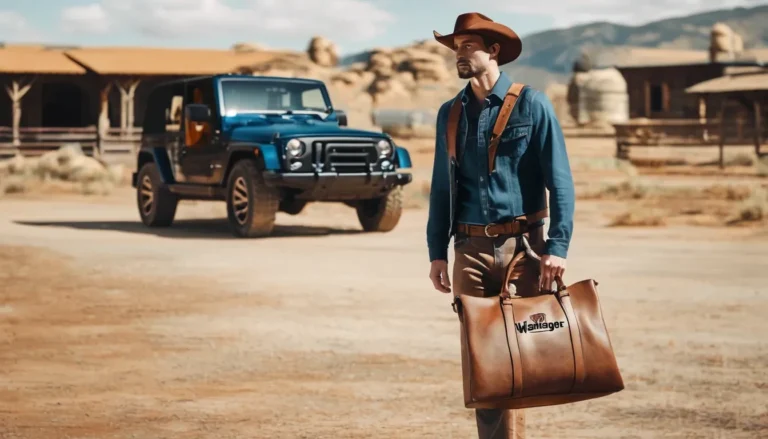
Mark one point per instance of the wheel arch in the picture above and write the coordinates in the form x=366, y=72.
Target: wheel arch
x=160, y=157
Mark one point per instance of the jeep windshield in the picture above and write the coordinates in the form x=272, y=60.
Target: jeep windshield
x=273, y=96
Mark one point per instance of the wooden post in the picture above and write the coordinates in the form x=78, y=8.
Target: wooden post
x=703, y=117
x=722, y=131
x=647, y=103
x=127, y=94
x=16, y=92
x=103, y=123
x=758, y=127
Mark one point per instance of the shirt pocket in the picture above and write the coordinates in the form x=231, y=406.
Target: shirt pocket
x=514, y=138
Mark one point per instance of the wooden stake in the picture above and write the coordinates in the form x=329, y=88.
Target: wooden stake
x=758, y=127
x=16, y=92
x=722, y=132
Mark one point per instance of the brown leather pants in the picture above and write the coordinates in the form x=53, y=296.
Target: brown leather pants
x=479, y=269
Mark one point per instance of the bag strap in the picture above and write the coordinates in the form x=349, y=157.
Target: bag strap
x=501, y=121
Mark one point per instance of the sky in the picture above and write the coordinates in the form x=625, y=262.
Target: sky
x=353, y=25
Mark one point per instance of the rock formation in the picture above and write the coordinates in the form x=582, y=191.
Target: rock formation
x=724, y=43
x=323, y=52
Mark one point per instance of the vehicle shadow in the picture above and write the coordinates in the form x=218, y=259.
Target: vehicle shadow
x=191, y=228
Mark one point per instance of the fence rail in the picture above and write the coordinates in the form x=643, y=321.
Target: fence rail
x=35, y=141
x=684, y=132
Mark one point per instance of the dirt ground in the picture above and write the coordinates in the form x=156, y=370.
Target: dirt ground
x=112, y=330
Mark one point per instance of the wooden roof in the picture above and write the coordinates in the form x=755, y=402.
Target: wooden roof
x=162, y=61
x=33, y=59
x=732, y=83
x=623, y=57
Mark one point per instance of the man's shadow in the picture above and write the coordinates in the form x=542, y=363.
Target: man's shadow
x=191, y=228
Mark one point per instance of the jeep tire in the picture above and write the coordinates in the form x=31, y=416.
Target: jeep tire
x=156, y=204
x=381, y=214
x=251, y=204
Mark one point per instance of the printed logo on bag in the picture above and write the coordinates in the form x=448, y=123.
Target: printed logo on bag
x=538, y=324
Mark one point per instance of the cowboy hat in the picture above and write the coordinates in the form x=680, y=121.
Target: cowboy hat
x=477, y=23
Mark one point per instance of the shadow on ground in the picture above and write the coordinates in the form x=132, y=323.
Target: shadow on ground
x=194, y=228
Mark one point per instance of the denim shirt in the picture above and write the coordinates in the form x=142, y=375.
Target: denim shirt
x=531, y=157
x=468, y=205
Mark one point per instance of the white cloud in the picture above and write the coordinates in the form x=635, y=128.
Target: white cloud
x=631, y=12
x=15, y=28
x=86, y=19
x=335, y=19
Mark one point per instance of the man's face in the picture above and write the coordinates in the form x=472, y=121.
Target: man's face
x=472, y=57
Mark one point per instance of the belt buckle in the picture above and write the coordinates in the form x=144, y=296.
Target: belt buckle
x=485, y=229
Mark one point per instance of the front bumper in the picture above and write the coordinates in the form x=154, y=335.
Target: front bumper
x=332, y=186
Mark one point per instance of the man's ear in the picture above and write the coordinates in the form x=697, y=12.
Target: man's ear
x=495, y=49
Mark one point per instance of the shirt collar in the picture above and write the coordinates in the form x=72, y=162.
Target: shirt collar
x=499, y=89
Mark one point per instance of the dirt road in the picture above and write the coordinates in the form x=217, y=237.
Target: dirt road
x=110, y=330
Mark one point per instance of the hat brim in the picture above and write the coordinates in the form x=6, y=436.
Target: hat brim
x=511, y=46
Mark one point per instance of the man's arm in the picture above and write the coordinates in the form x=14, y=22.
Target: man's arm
x=439, y=202
x=548, y=136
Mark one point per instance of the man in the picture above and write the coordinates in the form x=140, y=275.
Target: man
x=486, y=196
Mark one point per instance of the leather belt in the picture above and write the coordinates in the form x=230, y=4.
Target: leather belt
x=515, y=227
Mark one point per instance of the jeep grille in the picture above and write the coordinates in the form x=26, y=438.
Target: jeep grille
x=346, y=155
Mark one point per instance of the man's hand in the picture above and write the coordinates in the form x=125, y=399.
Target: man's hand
x=438, y=273
x=551, y=266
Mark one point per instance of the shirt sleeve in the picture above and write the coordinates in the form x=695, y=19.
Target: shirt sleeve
x=553, y=158
x=439, y=194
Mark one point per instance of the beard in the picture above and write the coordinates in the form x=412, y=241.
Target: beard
x=466, y=70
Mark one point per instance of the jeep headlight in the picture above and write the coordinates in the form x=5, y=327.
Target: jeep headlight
x=384, y=148
x=294, y=148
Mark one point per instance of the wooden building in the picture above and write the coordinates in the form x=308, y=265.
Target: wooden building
x=747, y=90
x=55, y=94
x=659, y=91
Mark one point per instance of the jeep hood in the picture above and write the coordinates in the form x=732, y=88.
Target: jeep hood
x=265, y=133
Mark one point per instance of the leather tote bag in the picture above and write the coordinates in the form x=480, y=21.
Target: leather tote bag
x=520, y=352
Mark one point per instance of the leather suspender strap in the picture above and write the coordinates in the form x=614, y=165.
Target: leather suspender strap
x=501, y=121
x=453, y=127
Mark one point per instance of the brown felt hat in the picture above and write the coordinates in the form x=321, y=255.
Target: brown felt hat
x=477, y=23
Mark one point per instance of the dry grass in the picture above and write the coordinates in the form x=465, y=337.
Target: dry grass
x=66, y=170
x=754, y=208
x=635, y=189
x=638, y=217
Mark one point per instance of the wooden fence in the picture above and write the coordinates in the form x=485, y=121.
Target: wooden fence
x=35, y=141
x=685, y=132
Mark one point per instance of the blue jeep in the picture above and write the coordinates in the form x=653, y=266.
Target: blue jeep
x=262, y=145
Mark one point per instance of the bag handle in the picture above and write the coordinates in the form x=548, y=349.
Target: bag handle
x=570, y=315
x=531, y=254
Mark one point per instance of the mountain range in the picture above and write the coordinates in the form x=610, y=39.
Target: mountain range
x=548, y=56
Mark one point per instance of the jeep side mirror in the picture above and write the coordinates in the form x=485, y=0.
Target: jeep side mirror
x=197, y=113
x=342, y=116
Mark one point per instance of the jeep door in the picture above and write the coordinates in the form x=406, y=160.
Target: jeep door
x=201, y=155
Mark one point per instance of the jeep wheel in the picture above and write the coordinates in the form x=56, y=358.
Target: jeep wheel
x=157, y=205
x=251, y=204
x=381, y=214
